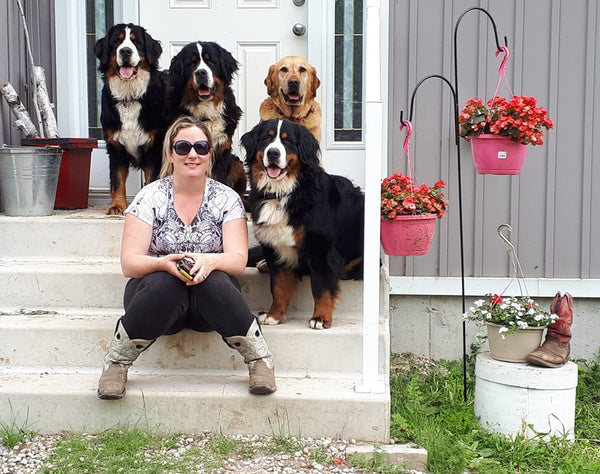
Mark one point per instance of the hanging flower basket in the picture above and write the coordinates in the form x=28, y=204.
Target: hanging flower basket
x=408, y=235
x=409, y=210
x=495, y=154
x=513, y=347
x=501, y=129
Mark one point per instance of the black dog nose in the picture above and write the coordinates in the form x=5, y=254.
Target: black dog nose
x=126, y=52
x=293, y=83
x=273, y=154
x=202, y=73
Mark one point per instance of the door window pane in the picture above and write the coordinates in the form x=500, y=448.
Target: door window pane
x=348, y=70
x=99, y=18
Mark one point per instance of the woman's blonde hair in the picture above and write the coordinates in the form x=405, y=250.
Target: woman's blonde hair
x=184, y=121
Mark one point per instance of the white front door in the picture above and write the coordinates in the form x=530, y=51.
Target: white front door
x=256, y=32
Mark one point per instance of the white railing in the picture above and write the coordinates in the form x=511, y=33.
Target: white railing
x=373, y=164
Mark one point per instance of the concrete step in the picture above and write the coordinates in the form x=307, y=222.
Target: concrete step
x=81, y=340
x=65, y=235
x=55, y=399
x=62, y=294
x=88, y=283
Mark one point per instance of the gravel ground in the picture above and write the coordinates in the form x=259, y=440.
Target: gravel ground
x=34, y=454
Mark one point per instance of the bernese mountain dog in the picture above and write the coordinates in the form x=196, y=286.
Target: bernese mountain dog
x=199, y=85
x=132, y=107
x=307, y=222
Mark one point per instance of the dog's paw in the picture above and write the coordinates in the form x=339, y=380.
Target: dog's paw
x=264, y=318
x=317, y=322
x=115, y=211
x=262, y=266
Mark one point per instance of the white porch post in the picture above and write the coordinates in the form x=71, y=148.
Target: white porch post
x=71, y=69
x=373, y=160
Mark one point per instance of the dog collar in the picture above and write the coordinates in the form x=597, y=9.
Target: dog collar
x=280, y=112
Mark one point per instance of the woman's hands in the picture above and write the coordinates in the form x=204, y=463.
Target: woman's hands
x=204, y=264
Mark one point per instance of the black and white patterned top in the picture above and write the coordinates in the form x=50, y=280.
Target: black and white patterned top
x=153, y=204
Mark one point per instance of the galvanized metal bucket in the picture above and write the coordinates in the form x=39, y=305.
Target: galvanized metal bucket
x=29, y=179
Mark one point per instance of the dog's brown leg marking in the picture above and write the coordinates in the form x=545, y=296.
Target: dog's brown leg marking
x=352, y=264
x=147, y=176
x=118, y=196
x=283, y=289
x=323, y=314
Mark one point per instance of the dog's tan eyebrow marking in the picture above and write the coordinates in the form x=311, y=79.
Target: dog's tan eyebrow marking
x=121, y=36
x=272, y=133
x=284, y=135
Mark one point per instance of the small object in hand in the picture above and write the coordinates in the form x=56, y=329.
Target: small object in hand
x=185, y=267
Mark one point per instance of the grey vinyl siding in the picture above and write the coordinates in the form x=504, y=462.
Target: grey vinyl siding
x=551, y=205
x=14, y=65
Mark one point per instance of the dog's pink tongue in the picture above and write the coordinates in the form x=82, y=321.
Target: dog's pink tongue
x=273, y=171
x=294, y=96
x=126, y=71
x=203, y=90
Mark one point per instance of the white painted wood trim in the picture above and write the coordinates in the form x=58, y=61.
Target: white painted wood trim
x=451, y=286
x=71, y=69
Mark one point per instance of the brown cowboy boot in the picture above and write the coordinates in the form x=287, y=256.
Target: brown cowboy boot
x=121, y=354
x=555, y=350
x=258, y=358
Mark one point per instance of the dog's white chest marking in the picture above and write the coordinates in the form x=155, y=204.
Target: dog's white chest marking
x=127, y=94
x=272, y=228
x=131, y=135
x=212, y=115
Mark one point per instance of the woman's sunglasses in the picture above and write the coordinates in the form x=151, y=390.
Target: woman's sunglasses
x=183, y=147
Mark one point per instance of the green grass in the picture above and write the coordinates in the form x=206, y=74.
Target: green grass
x=12, y=434
x=428, y=408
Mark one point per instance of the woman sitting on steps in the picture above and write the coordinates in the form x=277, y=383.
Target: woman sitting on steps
x=185, y=214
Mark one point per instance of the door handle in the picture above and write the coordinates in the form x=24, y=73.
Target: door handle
x=299, y=29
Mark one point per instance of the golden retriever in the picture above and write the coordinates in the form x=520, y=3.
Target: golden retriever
x=292, y=85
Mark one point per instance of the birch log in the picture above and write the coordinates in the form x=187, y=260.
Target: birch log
x=23, y=121
x=36, y=109
x=44, y=104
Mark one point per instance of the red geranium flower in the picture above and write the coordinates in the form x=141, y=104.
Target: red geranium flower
x=400, y=196
x=519, y=118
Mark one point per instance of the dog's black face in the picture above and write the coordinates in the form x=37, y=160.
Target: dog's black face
x=204, y=69
x=125, y=49
x=276, y=153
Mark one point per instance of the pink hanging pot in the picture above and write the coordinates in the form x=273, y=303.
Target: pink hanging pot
x=408, y=234
x=495, y=154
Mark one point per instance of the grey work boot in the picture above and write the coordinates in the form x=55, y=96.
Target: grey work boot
x=258, y=358
x=121, y=354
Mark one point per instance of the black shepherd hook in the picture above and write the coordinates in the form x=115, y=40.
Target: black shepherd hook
x=454, y=97
x=498, y=47
x=460, y=204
